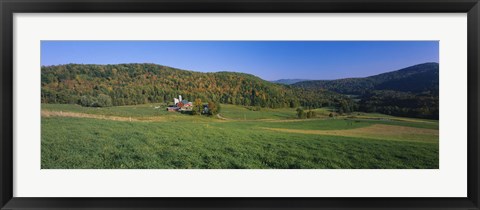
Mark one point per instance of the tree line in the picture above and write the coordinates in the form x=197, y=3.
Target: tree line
x=401, y=104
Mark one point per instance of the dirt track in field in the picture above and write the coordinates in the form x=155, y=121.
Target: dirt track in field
x=377, y=131
x=100, y=117
x=393, y=119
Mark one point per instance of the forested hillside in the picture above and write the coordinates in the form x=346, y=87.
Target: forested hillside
x=410, y=92
x=127, y=84
x=417, y=79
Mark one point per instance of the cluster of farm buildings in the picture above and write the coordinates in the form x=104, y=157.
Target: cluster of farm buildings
x=183, y=106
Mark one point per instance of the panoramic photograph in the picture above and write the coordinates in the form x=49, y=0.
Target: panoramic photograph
x=239, y=104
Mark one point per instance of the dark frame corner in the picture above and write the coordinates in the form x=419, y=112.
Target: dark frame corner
x=9, y=7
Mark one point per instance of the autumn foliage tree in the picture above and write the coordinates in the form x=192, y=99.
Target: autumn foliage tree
x=213, y=108
x=197, y=105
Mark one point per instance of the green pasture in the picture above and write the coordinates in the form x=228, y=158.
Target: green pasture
x=199, y=142
x=242, y=113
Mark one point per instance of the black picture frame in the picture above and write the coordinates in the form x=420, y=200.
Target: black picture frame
x=9, y=7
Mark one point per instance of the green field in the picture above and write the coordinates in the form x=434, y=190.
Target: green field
x=137, y=137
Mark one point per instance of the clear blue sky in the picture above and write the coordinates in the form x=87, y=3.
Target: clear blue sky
x=270, y=60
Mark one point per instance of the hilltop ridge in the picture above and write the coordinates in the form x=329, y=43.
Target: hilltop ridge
x=417, y=78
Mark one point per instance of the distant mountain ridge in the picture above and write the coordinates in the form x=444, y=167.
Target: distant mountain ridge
x=288, y=81
x=418, y=78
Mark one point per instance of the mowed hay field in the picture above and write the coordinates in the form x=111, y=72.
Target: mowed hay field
x=139, y=137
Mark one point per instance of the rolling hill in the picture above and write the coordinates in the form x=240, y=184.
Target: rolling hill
x=409, y=92
x=127, y=84
x=415, y=79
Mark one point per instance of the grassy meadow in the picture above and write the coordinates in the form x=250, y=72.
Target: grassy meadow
x=147, y=136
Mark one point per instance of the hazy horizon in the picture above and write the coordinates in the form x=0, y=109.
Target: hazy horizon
x=269, y=60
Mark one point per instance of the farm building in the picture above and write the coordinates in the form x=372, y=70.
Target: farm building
x=180, y=105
